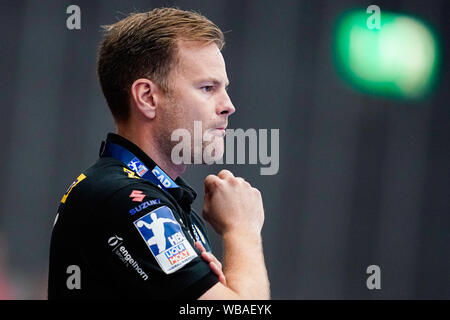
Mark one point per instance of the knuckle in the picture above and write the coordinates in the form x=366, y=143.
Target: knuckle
x=224, y=173
x=212, y=181
x=218, y=183
x=210, y=178
x=236, y=181
x=256, y=191
x=241, y=180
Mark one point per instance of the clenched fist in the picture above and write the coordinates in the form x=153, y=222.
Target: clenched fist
x=232, y=204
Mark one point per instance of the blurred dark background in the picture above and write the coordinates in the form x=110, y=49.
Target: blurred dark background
x=362, y=180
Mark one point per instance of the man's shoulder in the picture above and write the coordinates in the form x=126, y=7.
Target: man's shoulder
x=109, y=180
x=111, y=173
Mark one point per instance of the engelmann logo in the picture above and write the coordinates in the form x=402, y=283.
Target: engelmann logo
x=207, y=151
x=125, y=256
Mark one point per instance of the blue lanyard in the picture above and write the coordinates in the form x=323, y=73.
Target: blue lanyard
x=156, y=175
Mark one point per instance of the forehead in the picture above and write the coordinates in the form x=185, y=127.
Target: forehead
x=198, y=60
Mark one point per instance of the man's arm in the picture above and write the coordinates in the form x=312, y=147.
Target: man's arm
x=244, y=270
x=214, y=264
x=235, y=211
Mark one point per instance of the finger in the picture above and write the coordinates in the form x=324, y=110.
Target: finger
x=218, y=272
x=199, y=246
x=243, y=181
x=215, y=260
x=210, y=258
x=211, y=183
x=223, y=174
x=215, y=265
x=207, y=257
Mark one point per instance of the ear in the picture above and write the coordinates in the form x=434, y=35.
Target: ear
x=145, y=95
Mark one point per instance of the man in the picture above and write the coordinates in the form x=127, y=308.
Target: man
x=125, y=227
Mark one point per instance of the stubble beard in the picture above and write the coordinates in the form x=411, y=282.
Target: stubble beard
x=173, y=119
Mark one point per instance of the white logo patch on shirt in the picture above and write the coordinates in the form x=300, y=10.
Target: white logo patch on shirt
x=165, y=239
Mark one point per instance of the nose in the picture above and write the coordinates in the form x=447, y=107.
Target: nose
x=225, y=107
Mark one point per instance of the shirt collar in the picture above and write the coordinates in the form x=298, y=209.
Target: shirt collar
x=185, y=195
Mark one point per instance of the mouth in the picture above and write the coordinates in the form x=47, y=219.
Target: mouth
x=220, y=131
x=222, y=126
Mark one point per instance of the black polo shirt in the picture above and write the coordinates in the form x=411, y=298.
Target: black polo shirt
x=122, y=234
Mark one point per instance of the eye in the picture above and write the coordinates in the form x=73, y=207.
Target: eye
x=207, y=89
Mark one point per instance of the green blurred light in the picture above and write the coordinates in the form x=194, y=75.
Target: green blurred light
x=398, y=60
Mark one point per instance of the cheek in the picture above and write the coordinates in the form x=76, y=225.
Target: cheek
x=193, y=106
x=171, y=119
x=195, y=117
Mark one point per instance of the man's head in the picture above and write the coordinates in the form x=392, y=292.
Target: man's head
x=165, y=67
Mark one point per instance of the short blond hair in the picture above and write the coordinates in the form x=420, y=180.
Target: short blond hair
x=144, y=45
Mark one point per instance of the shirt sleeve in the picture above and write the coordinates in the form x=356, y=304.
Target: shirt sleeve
x=141, y=245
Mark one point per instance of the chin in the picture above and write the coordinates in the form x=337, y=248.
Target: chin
x=213, y=151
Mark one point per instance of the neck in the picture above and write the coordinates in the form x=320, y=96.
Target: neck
x=144, y=139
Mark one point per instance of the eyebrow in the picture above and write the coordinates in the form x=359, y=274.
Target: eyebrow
x=215, y=81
